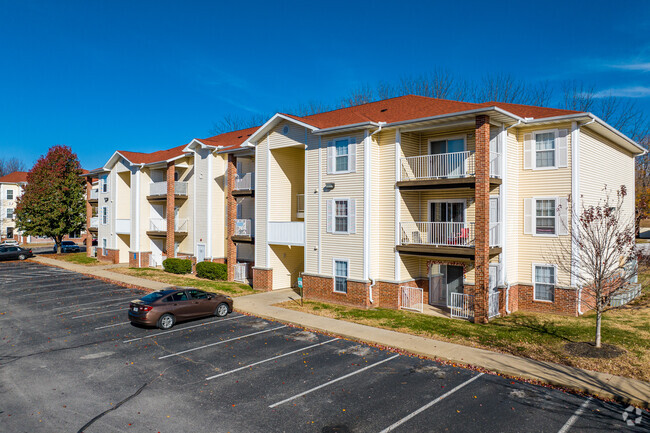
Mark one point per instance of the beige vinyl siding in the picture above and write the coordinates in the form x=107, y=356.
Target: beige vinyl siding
x=145, y=208
x=599, y=156
x=219, y=165
x=540, y=183
x=261, y=202
x=514, y=226
x=347, y=185
x=287, y=263
x=295, y=136
x=185, y=207
x=312, y=190
x=383, y=252
x=287, y=181
x=200, y=189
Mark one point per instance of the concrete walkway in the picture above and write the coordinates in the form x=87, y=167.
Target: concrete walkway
x=262, y=304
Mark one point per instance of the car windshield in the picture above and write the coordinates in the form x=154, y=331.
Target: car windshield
x=153, y=297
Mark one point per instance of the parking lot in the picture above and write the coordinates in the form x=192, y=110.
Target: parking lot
x=70, y=361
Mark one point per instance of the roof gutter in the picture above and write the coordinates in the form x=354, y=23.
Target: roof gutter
x=365, y=125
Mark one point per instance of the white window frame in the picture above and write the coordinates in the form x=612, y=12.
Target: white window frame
x=447, y=138
x=545, y=235
x=104, y=213
x=449, y=200
x=12, y=213
x=104, y=184
x=347, y=261
x=556, y=133
x=334, y=170
x=104, y=247
x=543, y=265
x=334, y=231
x=12, y=194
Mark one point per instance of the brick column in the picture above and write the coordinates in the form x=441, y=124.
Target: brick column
x=171, y=170
x=482, y=222
x=89, y=215
x=231, y=204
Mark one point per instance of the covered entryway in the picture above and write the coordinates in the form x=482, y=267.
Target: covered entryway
x=287, y=263
x=443, y=282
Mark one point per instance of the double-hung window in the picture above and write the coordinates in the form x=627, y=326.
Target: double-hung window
x=341, y=276
x=104, y=244
x=105, y=184
x=341, y=216
x=341, y=155
x=10, y=194
x=545, y=216
x=10, y=213
x=544, y=279
x=545, y=149
x=104, y=215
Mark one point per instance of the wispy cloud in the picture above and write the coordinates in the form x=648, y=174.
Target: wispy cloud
x=644, y=67
x=625, y=92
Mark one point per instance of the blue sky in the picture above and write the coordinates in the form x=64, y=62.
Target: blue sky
x=147, y=75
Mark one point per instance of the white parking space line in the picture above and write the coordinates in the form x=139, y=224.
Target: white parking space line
x=183, y=329
x=566, y=427
x=92, y=303
x=90, y=286
x=428, y=405
x=113, y=325
x=94, y=308
x=101, y=312
x=48, y=286
x=270, y=359
x=361, y=370
x=222, y=342
x=82, y=294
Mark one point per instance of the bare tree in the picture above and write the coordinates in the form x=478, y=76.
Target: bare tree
x=506, y=88
x=359, y=96
x=231, y=122
x=578, y=96
x=10, y=165
x=604, y=264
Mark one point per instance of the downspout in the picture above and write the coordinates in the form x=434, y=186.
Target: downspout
x=508, y=311
x=372, y=281
x=508, y=299
x=580, y=301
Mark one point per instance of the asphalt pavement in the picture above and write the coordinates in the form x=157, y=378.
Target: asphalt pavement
x=70, y=361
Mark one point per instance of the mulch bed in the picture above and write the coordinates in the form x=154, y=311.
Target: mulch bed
x=589, y=350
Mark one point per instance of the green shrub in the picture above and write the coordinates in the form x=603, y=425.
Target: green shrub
x=177, y=266
x=212, y=271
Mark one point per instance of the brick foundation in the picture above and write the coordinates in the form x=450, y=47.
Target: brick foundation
x=566, y=301
x=322, y=289
x=112, y=256
x=139, y=260
x=387, y=294
x=263, y=279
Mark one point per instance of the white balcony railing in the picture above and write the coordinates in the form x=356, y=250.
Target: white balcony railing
x=245, y=181
x=244, y=227
x=300, y=208
x=160, y=225
x=461, y=305
x=493, y=304
x=412, y=298
x=94, y=222
x=445, y=234
x=287, y=233
x=445, y=166
x=160, y=188
x=241, y=272
x=94, y=194
x=123, y=226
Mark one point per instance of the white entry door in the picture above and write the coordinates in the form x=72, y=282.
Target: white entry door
x=200, y=252
x=156, y=252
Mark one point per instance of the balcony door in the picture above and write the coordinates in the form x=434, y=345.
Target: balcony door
x=447, y=158
x=447, y=220
x=448, y=280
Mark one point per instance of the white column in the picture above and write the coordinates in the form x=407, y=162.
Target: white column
x=367, y=166
x=575, y=196
x=209, y=180
x=320, y=205
x=503, y=203
x=398, y=202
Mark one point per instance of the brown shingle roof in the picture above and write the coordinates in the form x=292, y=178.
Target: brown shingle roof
x=230, y=140
x=148, y=158
x=15, y=177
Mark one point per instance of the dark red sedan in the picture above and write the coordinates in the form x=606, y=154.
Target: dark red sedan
x=166, y=307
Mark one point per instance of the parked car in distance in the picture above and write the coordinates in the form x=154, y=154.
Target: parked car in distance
x=68, y=247
x=11, y=252
x=174, y=304
x=11, y=242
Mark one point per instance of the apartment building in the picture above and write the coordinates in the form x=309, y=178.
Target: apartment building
x=406, y=203
x=11, y=187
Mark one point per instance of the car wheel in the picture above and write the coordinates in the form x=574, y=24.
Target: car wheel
x=222, y=310
x=166, y=321
x=22, y=257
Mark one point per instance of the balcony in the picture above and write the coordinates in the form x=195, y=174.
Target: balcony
x=158, y=227
x=244, y=184
x=300, y=207
x=244, y=230
x=94, y=195
x=158, y=190
x=445, y=170
x=123, y=226
x=94, y=223
x=286, y=233
x=241, y=272
x=444, y=238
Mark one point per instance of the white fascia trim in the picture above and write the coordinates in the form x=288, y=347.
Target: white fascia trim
x=198, y=143
x=271, y=122
x=113, y=159
x=460, y=113
x=343, y=128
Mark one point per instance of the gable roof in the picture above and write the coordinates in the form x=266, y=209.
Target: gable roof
x=229, y=141
x=149, y=158
x=15, y=177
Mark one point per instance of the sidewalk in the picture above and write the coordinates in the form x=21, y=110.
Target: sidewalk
x=600, y=384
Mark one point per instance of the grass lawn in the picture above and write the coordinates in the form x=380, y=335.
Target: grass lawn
x=77, y=258
x=531, y=335
x=225, y=287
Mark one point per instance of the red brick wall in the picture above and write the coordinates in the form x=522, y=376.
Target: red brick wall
x=231, y=205
x=171, y=171
x=137, y=260
x=112, y=256
x=482, y=218
x=566, y=301
x=263, y=279
x=322, y=289
x=387, y=295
